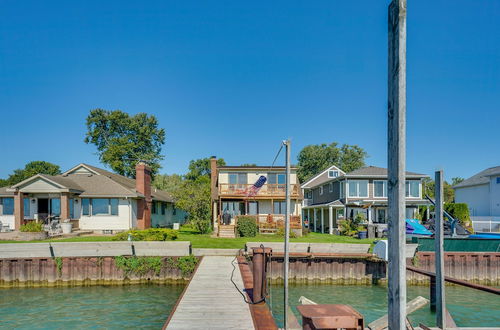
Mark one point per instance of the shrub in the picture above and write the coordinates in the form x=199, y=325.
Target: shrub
x=305, y=231
x=139, y=265
x=201, y=225
x=459, y=211
x=187, y=265
x=247, y=227
x=151, y=234
x=32, y=227
x=281, y=233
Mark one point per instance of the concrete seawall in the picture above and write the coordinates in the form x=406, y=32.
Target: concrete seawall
x=77, y=271
x=480, y=268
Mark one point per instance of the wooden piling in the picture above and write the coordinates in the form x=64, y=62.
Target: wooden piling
x=397, y=163
x=439, y=298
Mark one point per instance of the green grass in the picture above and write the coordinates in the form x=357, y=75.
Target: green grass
x=205, y=241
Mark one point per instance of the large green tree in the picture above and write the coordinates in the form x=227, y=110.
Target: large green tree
x=315, y=158
x=122, y=139
x=30, y=169
x=429, y=190
x=201, y=167
x=193, y=196
x=169, y=183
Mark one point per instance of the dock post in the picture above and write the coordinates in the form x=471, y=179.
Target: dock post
x=396, y=164
x=287, y=232
x=432, y=292
x=259, y=260
x=439, y=252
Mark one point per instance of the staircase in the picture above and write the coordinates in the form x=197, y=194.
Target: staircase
x=226, y=231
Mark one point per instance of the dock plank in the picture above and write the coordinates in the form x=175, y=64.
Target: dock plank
x=211, y=300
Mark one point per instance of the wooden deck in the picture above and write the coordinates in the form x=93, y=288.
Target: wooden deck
x=211, y=301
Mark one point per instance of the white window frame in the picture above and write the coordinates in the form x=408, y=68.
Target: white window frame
x=342, y=189
x=384, y=189
x=333, y=173
x=321, y=190
x=357, y=183
x=330, y=187
x=408, y=191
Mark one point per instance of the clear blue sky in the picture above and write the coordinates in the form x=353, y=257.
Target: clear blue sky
x=233, y=78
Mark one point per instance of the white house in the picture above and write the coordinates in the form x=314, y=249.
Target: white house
x=481, y=192
x=92, y=198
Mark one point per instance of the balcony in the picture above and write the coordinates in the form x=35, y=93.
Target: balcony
x=268, y=190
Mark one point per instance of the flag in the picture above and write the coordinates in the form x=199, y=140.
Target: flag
x=254, y=189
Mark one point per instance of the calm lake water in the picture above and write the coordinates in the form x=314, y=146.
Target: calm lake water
x=469, y=307
x=96, y=307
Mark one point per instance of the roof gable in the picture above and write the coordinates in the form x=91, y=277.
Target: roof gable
x=39, y=183
x=322, y=177
x=80, y=169
x=480, y=178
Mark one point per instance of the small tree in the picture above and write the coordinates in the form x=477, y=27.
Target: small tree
x=194, y=198
x=30, y=169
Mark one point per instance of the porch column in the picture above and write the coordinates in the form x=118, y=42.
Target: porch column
x=370, y=215
x=65, y=206
x=315, y=217
x=330, y=220
x=322, y=221
x=18, y=209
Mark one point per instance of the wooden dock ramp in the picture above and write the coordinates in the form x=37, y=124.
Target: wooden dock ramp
x=211, y=301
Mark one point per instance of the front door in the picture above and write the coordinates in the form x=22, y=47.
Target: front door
x=43, y=208
x=234, y=208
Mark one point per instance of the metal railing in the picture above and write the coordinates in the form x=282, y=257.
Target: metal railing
x=490, y=225
x=266, y=190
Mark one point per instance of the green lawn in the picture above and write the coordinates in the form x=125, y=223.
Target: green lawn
x=205, y=241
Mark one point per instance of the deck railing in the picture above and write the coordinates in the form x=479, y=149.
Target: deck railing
x=266, y=190
x=273, y=222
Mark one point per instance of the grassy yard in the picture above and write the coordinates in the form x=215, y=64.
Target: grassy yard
x=205, y=241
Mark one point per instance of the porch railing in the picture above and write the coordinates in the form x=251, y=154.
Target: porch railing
x=273, y=222
x=266, y=190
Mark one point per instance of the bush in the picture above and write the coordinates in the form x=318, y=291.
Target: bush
x=151, y=234
x=187, y=265
x=201, y=225
x=305, y=231
x=281, y=233
x=247, y=227
x=32, y=227
x=459, y=211
x=139, y=265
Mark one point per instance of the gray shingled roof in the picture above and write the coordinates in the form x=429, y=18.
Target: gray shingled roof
x=102, y=185
x=378, y=171
x=479, y=178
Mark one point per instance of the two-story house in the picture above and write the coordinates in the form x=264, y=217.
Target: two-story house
x=231, y=190
x=481, y=193
x=333, y=195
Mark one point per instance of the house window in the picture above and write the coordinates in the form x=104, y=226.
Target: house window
x=321, y=190
x=330, y=187
x=174, y=211
x=279, y=207
x=498, y=179
x=163, y=208
x=381, y=216
x=253, y=208
x=237, y=178
x=333, y=174
x=85, y=206
x=55, y=206
x=380, y=188
x=154, y=209
x=358, y=188
x=26, y=202
x=100, y=206
x=342, y=189
x=412, y=188
x=276, y=178
x=8, y=205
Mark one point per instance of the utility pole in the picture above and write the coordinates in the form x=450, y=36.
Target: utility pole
x=439, y=252
x=287, y=231
x=396, y=164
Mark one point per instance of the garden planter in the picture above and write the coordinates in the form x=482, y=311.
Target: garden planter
x=362, y=234
x=66, y=227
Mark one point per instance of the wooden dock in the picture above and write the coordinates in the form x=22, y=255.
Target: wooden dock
x=211, y=301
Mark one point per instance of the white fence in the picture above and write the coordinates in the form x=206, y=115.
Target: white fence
x=486, y=224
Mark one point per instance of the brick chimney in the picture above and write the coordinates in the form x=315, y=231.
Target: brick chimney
x=213, y=177
x=143, y=186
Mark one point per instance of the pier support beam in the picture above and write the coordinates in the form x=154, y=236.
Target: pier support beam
x=439, y=253
x=396, y=164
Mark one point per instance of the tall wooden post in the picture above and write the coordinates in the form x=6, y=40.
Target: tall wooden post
x=397, y=164
x=330, y=220
x=287, y=232
x=439, y=252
